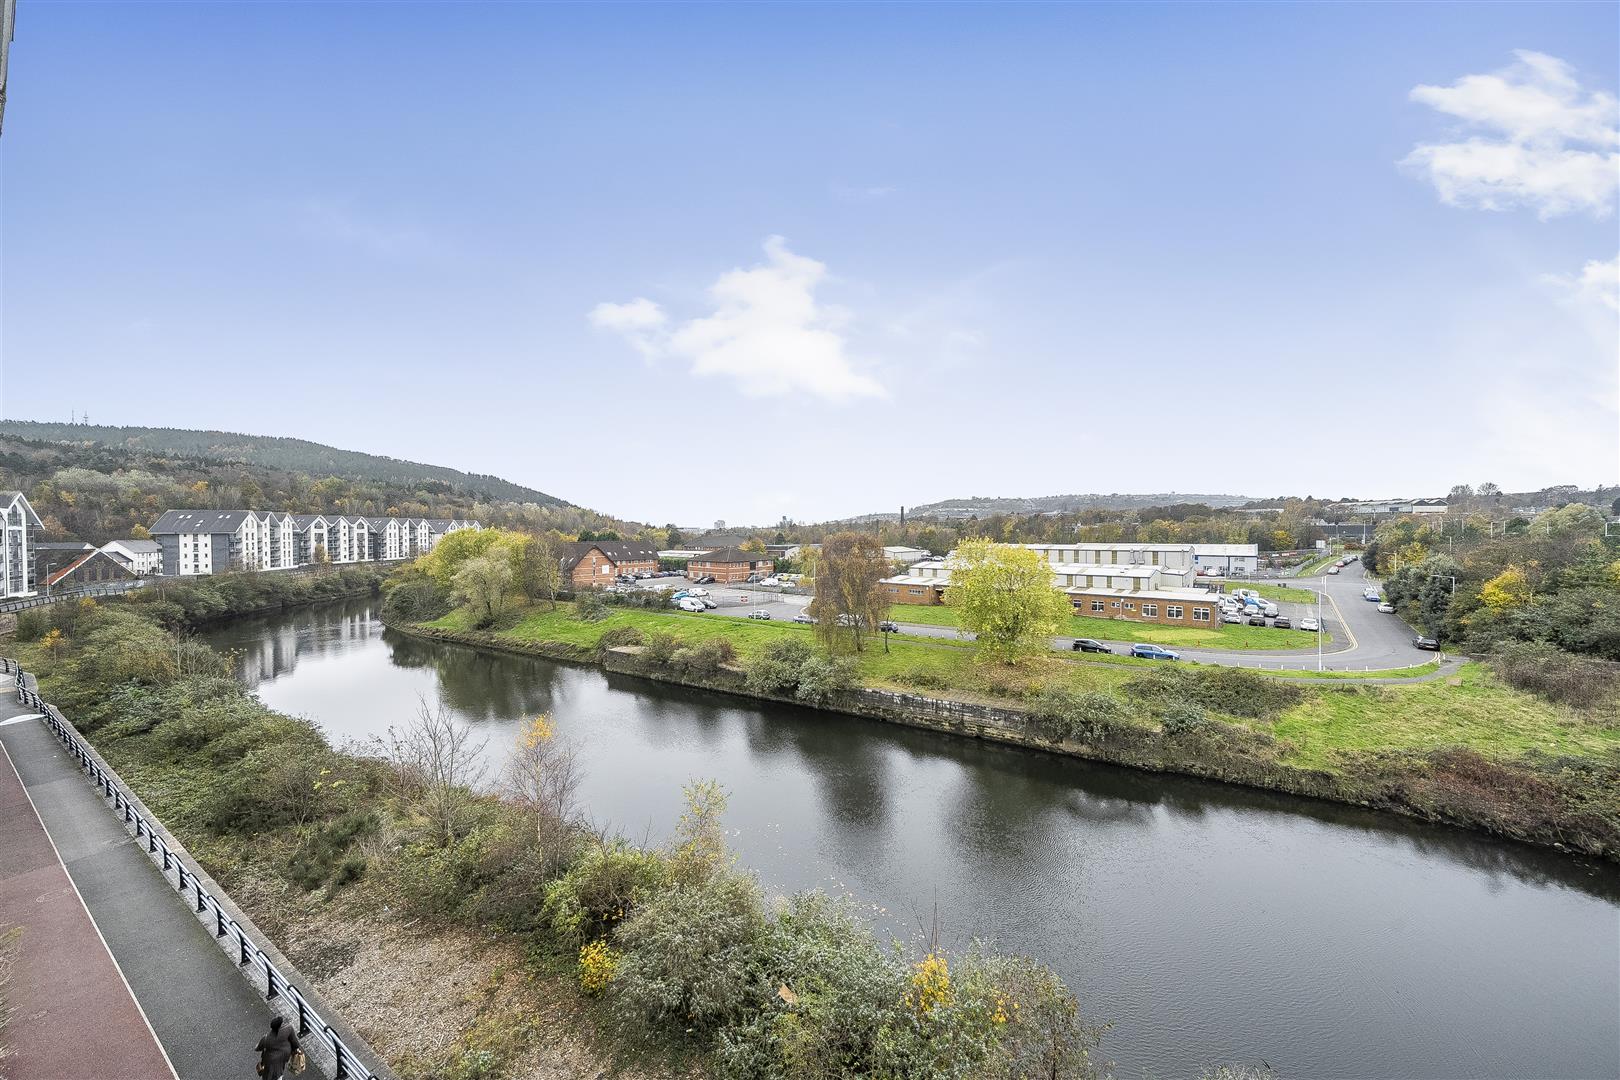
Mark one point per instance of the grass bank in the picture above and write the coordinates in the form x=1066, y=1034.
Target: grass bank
x=1220, y=636
x=1467, y=749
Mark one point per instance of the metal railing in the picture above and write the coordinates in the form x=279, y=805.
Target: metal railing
x=265, y=975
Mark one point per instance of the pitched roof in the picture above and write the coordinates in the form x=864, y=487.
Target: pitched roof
x=733, y=555
x=304, y=521
x=76, y=563
x=617, y=551
x=9, y=498
x=147, y=546
x=200, y=521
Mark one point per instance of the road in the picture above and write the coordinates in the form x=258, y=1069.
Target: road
x=1363, y=639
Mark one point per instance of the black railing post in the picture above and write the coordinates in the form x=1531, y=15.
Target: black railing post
x=241, y=940
x=270, y=990
x=303, y=1015
x=195, y=884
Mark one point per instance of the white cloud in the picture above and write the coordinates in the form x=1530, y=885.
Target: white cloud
x=1546, y=144
x=1596, y=286
x=768, y=332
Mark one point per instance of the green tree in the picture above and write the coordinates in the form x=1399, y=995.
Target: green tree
x=1509, y=589
x=1004, y=595
x=483, y=584
x=850, y=601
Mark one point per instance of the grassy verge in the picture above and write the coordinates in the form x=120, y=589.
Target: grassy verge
x=1222, y=636
x=1318, y=564
x=1280, y=594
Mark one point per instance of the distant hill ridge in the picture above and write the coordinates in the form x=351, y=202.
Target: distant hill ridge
x=273, y=452
x=1055, y=504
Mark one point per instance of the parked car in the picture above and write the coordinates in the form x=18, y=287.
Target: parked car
x=1426, y=643
x=804, y=617
x=690, y=604
x=1232, y=617
x=769, y=582
x=681, y=595
x=888, y=626
x=1333, y=569
x=1387, y=609
x=1282, y=622
x=1257, y=620
x=760, y=613
x=1372, y=597
x=1310, y=624
x=1269, y=610
x=707, y=603
x=1086, y=644
x=697, y=592
x=706, y=579
x=1153, y=652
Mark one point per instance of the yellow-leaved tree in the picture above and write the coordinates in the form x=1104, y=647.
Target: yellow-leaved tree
x=1509, y=589
x=1004, y=594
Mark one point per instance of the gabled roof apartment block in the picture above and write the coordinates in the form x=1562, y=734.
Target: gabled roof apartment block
x=16, y=560
x=201, y=542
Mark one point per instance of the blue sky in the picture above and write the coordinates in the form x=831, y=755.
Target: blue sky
x=687, y=262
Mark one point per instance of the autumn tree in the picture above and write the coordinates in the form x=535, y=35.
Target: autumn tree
x=850, y=600
x=483, y=583
x=1509, y=589
x=541, y=575
x=1004, y=594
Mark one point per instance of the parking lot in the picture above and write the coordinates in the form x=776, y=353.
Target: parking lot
x=735, y=600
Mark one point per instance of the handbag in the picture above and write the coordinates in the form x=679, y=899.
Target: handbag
x=299, y=1062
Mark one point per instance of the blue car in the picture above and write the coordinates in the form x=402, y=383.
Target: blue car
x=1153, y=652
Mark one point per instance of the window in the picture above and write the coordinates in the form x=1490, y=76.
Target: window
x=915, y=592
x=1113, y=604
x=1200, y=614
x=1173, y=611
x=1151, y=611
x=1130, y=605
x=1096, y=605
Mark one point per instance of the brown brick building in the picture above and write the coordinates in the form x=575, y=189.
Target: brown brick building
x=729, y=565
x=591, y=564
x=89, y=569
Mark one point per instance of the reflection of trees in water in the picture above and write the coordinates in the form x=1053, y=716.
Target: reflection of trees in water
x=478, y=684
x=267, y=647
x=666, y=714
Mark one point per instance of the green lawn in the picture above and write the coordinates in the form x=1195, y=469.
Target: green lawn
x=1479, y=712
x=1222, y=636
x=1318, y=564
x=1281, y=594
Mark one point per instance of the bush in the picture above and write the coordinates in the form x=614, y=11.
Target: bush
x=415, y=601
x=322, y=854
x=598, y=963
x=703, y=659
x=1182, y=718
x=590, y=607
x=1060, y=712
x=844, y=990
x=776, y=669
x=32, y=624
x=820, y=677
x=661, y=647
x=1547, y=671
x=618, y=637
x=689, y=952
x=601, y=889
x=1218, y=689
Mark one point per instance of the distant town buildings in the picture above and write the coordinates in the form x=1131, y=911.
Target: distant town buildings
x=16, y=560
x=203, y=542
x=907, y=555
x=591, y=564
x=730, y=565
x=1136, y=582
x=1394, y=506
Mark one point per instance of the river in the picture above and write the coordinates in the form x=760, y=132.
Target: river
x=1209, y=923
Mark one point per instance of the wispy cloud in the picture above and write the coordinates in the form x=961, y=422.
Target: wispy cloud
x=1596, y=286
x=768, y=332
x=1540, y=141
x=864, y=192
x=331, y=221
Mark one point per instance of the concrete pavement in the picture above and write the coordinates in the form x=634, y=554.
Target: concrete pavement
x=204, y=1014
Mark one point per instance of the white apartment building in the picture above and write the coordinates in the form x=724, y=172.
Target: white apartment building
x=17, y=556
x=201, y=542
x=141, y=556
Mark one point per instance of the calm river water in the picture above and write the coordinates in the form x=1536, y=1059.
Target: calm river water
x=1209, y=923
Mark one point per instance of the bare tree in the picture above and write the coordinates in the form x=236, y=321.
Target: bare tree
x=438, y=764
x=850, y=600
x=543, y=776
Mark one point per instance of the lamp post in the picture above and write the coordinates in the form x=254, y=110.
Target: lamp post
x=1321, y=627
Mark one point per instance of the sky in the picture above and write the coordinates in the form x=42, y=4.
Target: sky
x=686, y=263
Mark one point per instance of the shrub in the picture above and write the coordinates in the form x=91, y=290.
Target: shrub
x=598, y=963
x=776, y=669
x=1182, y=718
x=820, y=677
x=661, y=647
x=601, y=889
x=841, y=991
x=1218, y=689
x=1547, y=671
x=705, y=658
x=618, y=637
x=322, y=853
x=1061, y=712
x=32, y=624
x=590, y=606
x=415, y=601
x=689, y=952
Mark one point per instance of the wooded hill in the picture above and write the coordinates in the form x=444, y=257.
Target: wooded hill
x=97, y=492
x=284, y=455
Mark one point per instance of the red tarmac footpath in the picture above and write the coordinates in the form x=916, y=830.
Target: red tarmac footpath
x=74, y=1017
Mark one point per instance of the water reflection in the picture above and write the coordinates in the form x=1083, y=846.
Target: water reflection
x=1208, y=922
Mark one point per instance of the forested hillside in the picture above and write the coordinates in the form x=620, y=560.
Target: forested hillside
x=99, y=493
x=285, y=455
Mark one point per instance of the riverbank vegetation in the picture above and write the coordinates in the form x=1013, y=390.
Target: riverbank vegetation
x=678, y=961
x=1490, y=747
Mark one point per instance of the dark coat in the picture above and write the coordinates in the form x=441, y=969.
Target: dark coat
x=276, y=1049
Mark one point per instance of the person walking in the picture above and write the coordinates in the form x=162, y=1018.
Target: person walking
x=276, y=1049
